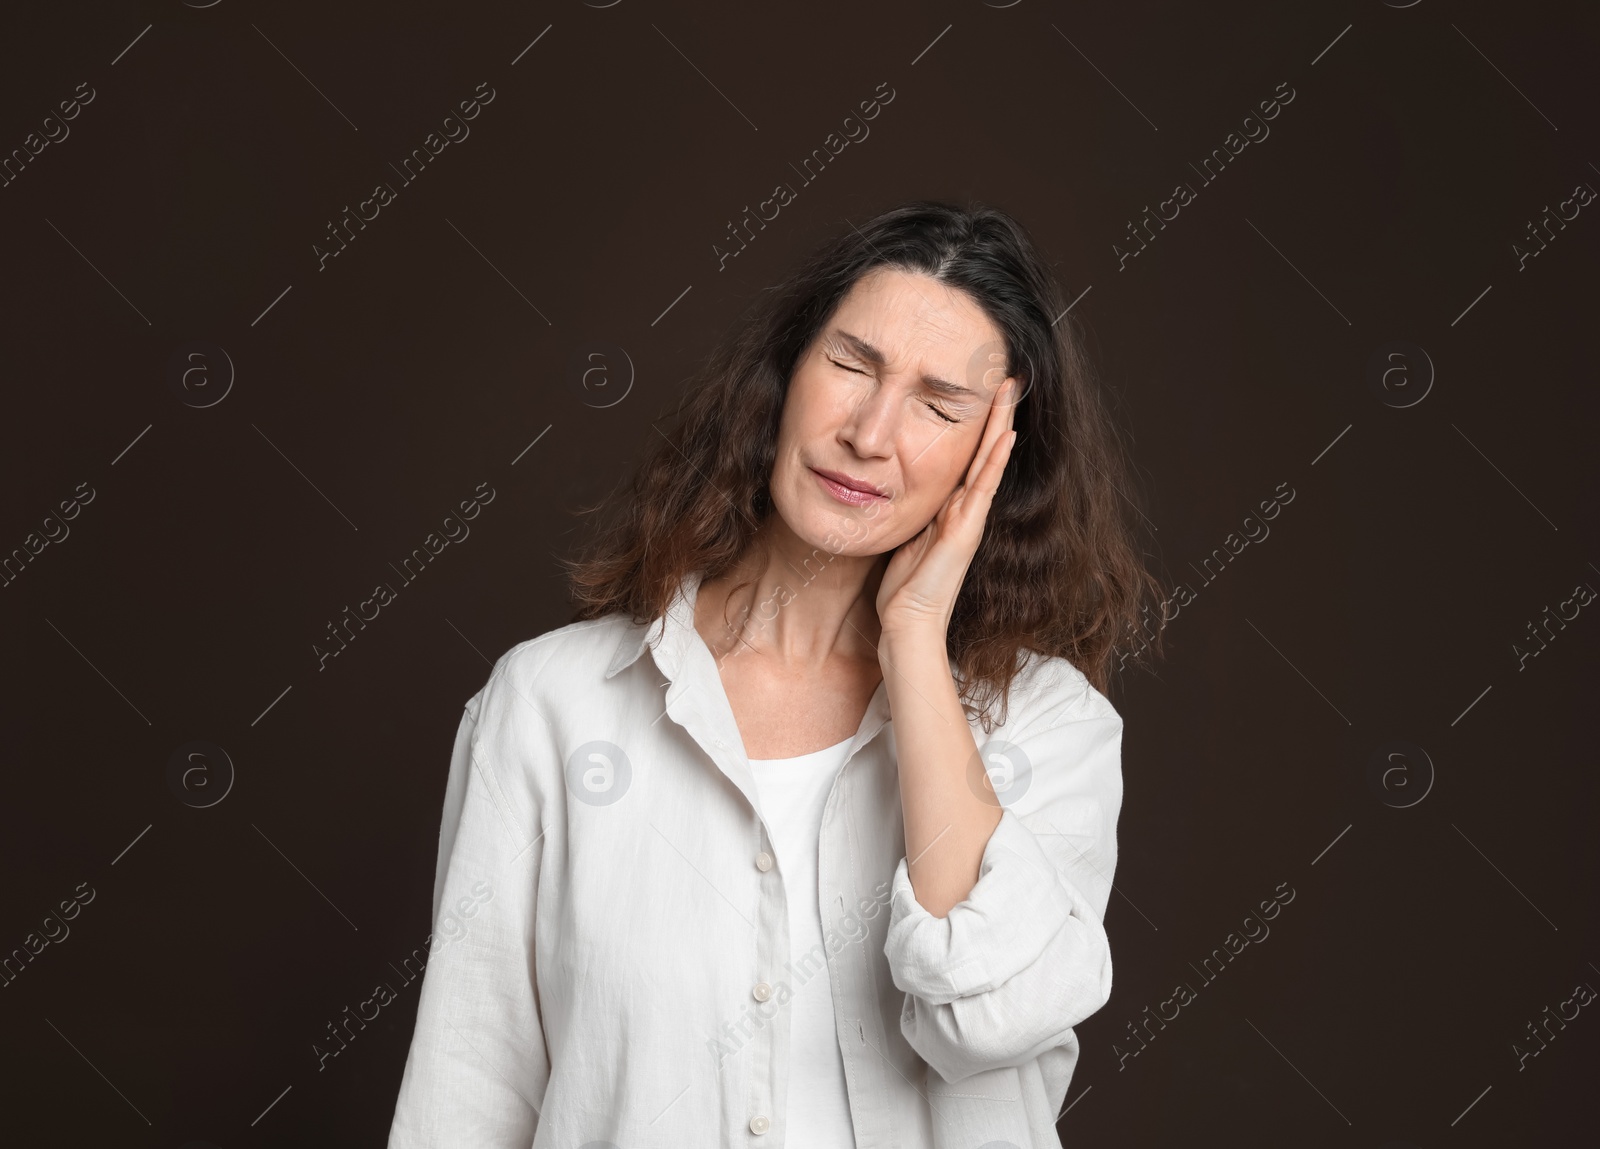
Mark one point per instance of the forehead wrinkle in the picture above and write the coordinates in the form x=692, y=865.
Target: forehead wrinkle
x=928, y=321
x=944, y=311
x=938, y=384
x=927, y=329
x=949, y=324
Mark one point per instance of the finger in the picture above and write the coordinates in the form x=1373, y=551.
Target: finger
x=978, y=496
x=997, y=424
x=988, y=481
x=1008, y=401
x=992, y=429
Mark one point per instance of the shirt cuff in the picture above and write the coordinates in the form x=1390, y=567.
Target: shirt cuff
x=1019, y=903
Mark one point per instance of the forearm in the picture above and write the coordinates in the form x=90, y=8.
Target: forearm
x=947, y=822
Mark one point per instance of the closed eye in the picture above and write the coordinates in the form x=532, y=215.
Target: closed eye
x=930, y=406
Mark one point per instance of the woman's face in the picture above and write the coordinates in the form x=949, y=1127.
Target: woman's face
x=891, y=396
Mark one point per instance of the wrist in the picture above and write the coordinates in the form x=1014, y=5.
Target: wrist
x=900, y=644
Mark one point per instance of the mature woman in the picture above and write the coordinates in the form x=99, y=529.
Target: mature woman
x=829, y=866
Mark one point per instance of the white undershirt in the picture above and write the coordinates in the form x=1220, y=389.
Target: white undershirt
x=793, y=792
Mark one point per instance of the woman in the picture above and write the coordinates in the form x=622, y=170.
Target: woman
x=792, y=879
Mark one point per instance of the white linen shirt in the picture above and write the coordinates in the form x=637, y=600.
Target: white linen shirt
x=611, y=933
x=794, y=794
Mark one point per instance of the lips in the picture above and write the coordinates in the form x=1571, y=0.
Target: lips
x=848, y=489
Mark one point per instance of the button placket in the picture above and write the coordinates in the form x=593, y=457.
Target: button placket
x=768, y=1064
x=850, y=972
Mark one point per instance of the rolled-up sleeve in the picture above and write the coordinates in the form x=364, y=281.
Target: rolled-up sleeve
x=1008, y=972
x=478, y=1062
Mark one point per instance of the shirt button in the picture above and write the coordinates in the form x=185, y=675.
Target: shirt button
x=763, y=861
x=759, y=1124
x=762, y=991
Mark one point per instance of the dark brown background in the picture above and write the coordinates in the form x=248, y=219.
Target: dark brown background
x=378, y=393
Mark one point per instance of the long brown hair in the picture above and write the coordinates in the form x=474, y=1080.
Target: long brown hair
x=1059, y=569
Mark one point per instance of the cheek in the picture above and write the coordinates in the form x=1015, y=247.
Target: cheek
x=936, y=460
x=928, y=479
x=807, y=412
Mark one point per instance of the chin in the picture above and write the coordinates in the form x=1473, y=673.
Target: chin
x=843, y=532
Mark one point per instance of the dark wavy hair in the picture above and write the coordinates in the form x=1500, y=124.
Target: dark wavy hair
x=1059, y=569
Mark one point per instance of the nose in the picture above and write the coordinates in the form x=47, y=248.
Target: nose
x=872, y=424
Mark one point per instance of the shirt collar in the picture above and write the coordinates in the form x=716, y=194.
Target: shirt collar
x=666, y=633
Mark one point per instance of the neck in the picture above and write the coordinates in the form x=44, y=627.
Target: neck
x=793, y=603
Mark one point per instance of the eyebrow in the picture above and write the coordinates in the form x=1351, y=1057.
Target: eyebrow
x=876, y=357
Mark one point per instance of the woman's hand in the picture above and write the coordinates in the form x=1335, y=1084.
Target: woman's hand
x=918, y=593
